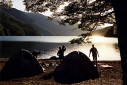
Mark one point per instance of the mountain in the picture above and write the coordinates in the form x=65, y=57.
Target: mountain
x=20, y=16
x=42, y=21
x=110, y=33
x=54, y=26
x=44, y=26
x=106, y=32
x=10, y=26
x=101, y=32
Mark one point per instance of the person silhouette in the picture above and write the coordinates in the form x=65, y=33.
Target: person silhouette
x=94, y=52
x=63, y=49
x=60, y=52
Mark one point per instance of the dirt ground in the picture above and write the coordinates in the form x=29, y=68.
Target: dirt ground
x=109, y=76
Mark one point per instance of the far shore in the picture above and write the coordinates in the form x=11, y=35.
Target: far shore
x=109, y=76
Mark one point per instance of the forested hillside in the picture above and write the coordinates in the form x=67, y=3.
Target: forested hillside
x=110, y=33
x=10, y=26
x=19, y=15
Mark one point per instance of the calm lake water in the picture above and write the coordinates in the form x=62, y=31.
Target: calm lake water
x=48, y=45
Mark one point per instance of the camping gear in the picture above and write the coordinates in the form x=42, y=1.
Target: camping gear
x=35, y=53
x=21, y=64
x=75, y=67
x=104, y=65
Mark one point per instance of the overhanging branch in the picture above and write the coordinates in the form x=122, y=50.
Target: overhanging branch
x=108, y=14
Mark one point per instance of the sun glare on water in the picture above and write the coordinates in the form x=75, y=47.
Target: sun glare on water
x=98, y=39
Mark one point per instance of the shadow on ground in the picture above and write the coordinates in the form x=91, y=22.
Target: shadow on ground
x=63, y=78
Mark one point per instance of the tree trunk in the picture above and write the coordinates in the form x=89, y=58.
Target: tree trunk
x=120, y=8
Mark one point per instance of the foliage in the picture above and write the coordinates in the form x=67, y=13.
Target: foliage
x=6, y=3
x=87, y=14
x=12, y=27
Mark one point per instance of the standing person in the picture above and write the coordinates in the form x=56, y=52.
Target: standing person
x=94, y=54
x=60, y=53
x=63, y=49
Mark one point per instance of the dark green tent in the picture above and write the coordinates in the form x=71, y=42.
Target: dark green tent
x=75, y=67
x=21, y=64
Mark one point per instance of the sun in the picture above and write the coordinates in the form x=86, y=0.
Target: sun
x=98, y=39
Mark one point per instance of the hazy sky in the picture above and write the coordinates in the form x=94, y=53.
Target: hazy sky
x=18, y=4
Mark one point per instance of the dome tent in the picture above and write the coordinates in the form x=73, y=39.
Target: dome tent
x=75, y=67
x=21, y=64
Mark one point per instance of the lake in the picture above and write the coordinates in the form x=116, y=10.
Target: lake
x=48, y=45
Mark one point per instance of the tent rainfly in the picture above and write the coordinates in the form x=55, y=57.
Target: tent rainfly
x=21, y=64
x=75, y=67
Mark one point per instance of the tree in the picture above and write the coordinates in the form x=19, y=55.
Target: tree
x=6, y=3
x=121, y=20
x=1, y=30
x=88, y=14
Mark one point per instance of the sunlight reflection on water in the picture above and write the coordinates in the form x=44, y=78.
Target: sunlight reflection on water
x=105, y=46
